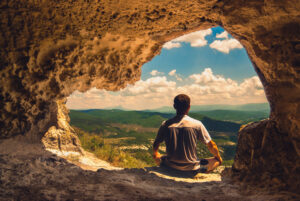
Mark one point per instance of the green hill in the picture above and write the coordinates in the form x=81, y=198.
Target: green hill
x=235, y=115
x=95, y=120
x=146, y=119
x=216, y=125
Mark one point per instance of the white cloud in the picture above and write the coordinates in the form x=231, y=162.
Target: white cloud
x=212, y=85
x=206, y=77
x=196, y=39
x=178, y=78
x=170, y=45
x=203, y=88
x=153, y=84
x=172, y=72
x=225, y=45
x=155, y=72
x=224, y=34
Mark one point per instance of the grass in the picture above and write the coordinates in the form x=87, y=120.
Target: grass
x=96, y=145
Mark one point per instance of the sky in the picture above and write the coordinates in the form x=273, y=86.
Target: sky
x=208, y=65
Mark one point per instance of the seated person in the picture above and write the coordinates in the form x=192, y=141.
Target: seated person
x=181, y=134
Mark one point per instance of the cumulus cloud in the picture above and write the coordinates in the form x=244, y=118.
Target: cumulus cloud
x=196, y=39
x=174, y=74
x=203, y=88
x=178, y=78
x=155, y=72
x=171, y=44
x=224, y=34
x=226, y=45
x=206, y=77
x=153, y=84
x=210, y=84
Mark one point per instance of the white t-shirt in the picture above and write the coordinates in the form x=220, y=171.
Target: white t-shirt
x=181, y=135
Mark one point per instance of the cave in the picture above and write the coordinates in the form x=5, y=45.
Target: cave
x=50, y=49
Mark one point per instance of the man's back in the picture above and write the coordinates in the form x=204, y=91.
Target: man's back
x=181, y=135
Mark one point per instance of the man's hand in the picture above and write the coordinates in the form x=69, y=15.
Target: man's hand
x=218, y=158
x=156, y=157
x=212, y=147
x=156, y=154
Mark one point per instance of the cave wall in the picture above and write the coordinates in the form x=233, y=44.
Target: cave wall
x=51, y=48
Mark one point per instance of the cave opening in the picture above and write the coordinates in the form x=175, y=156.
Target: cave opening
x=49, y=49
x=209, y=65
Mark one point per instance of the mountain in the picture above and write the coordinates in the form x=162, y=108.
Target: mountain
x=236, y=115
x=264, y=107
x=96, y=120
x=216, y=125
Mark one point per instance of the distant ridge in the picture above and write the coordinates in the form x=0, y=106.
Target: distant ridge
x=96, y=120
x=262, y=107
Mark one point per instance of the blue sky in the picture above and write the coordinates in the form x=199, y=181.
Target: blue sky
x=188, y=60
x=208, y=65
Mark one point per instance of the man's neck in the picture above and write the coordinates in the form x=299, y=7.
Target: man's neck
x=181, y=114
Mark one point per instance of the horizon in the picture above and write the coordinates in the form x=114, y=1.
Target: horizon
x=155, y=109
x=209, y=65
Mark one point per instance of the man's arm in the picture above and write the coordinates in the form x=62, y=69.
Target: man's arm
x=212, y=147
x=157, y=141
x=156, y=154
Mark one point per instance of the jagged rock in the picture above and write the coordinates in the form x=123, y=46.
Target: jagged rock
x=62, y=136
x=49, y=49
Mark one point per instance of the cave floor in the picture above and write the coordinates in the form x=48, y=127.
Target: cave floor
x=28, y=172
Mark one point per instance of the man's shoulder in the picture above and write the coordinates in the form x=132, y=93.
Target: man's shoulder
x=169, y=122
x=192, y=122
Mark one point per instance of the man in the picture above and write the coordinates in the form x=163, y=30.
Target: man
x=181, y=134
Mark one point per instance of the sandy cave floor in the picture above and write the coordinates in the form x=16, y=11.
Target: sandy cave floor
x=28, y=172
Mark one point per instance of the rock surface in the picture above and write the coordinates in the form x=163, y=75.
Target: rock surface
x=41, y=175
x=261, y=146
x=49, y=49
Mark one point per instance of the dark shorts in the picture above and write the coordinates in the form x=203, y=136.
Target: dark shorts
x=203, y=163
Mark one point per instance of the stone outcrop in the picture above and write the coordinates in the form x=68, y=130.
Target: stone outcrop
x=62, y=137
x=50, y=48
x=266, y=157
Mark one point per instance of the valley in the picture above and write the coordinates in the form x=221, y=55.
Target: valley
x=124, y=138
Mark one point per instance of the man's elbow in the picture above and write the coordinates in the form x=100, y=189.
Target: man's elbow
x=211, y=144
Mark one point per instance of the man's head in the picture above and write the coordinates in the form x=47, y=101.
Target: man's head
x=182, y=104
